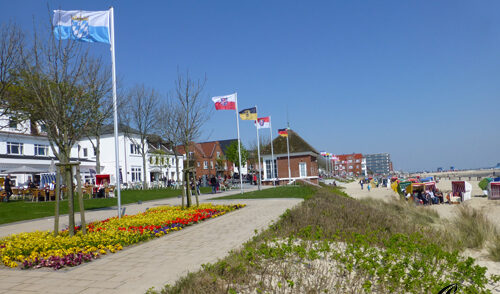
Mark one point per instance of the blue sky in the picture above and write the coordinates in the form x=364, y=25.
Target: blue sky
x=417, y=79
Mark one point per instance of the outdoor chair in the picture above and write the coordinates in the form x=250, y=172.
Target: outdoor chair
x=88, y=191
x=34, y=194
x=15, y=192
x=106, y=192
x=41, y=193
x=52, y=194
x=26, y=193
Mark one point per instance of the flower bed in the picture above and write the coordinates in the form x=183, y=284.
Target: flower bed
x=42, y=249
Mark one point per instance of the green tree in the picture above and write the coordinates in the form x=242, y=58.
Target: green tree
x=233, y=156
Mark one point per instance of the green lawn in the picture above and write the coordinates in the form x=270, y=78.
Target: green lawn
x=278, y=192
x=20, y=210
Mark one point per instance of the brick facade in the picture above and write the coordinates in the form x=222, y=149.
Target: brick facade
x=310, y=161
x=349, y=164
x=302, y=157
x=205, y=157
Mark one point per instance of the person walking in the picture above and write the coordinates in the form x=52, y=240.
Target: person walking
x=8, y=187
x=213, y=183
x=368, y=187
x=361, y=183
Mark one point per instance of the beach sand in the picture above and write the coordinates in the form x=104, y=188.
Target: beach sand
x=491, y=208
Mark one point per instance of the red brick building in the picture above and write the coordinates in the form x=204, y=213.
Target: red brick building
x=350, y=164
x=303, y=160
x=209, y=158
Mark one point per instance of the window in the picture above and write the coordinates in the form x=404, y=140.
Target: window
x=218, y=154
x=14, y=148
x=350, y=166
x=211, y=164
x=269, y=172
x=134, y=149
x=303, y=169
x=85, y=152
x=12, y=123
x=41, y=150
x=350, y=160
x=198, y=163
x=225, y=165
x=191, y=155
x=43, y=128
x=136, y=174
x=205, y=164
x=357, y=160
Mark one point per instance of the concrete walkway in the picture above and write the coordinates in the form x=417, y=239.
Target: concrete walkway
x=151, y=264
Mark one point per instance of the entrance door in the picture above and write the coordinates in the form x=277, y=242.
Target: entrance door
x=303, y=169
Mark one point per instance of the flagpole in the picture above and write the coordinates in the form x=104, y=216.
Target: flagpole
x=288, y=151
x=239, y=147
x=258, y=149
x=272, y=151
x=115, y=112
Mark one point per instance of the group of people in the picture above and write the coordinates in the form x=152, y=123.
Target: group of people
x=427, y=197
x=100, y=190
x=30, y=184
x=376, y=183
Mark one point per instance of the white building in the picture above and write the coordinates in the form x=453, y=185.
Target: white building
x=162, y=163
x=130, y=158
x=25, y=144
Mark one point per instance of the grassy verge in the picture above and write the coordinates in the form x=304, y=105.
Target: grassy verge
x=298, y=191
x=20, y=210
x=336, y=244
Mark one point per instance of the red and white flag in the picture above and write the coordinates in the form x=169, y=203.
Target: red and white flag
x=263, y=122
x=227, y=102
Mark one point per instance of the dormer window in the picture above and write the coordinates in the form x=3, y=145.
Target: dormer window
x=13, y=123
x=43, y=128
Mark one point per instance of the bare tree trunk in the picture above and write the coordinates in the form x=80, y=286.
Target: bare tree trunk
x=80, y=199
x=195, y=191
x=188, y=189
x=98, y=155
x=71, y=204
x=58, y=191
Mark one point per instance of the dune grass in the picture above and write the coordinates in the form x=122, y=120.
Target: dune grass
x=19, y=210
x=337, y=244
x=293, y=191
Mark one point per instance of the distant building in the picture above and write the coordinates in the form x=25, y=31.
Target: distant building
x=303, y=160
x=350, y=165
x=379, y=163
x=439, y=169
x=210, y=160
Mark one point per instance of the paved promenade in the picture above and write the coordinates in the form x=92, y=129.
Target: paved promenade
x=154, y=263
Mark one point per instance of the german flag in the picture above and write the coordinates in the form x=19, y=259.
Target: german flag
x=249, y=114
x=283, y=132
